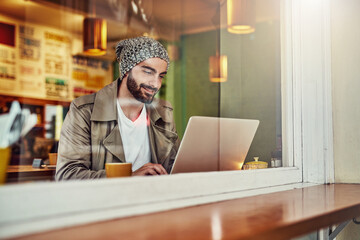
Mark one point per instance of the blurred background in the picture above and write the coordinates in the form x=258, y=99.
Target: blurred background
x=225, y=61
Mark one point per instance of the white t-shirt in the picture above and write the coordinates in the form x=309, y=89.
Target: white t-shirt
x=135, y=138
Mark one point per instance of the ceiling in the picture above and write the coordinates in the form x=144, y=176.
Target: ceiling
x=170, y=17
x=166, y=19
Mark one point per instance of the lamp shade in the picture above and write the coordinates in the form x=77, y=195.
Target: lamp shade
x=95, y=36
x=241, y=16
x=218, y=68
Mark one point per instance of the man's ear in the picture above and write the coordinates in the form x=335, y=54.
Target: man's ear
x=125, y=77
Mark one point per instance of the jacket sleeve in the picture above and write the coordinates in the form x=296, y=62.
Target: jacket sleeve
x=168, y=166
x=74, y=153
x=173, y=153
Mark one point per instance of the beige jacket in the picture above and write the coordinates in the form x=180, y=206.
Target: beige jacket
x=90, y=135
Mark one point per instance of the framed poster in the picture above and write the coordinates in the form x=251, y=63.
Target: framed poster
x=7, y=57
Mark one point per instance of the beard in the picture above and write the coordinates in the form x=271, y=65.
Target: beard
x=135, y=90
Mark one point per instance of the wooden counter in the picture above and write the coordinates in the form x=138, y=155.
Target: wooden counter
x=280, y=215
x=21, y=173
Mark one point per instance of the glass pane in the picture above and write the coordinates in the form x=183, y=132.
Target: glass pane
x=52, y=52
x=251, y=42
x=232, y=70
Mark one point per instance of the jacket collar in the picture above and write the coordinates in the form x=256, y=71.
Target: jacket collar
x=105, y=108
x=105, y=103
x=158, y=110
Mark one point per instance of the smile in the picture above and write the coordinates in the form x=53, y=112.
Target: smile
x=148, y=90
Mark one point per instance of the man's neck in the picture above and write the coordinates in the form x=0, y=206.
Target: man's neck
x=130, y=109
x=129, y=105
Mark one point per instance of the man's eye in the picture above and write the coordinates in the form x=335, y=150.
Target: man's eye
x=161, y=76
x=147, y=72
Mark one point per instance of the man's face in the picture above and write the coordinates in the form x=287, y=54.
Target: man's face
x=145, y=79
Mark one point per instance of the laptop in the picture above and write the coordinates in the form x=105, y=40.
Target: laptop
x=214, y=144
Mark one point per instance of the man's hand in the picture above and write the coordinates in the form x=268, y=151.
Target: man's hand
x=150, y=169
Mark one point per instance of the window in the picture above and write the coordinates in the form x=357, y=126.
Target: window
x=306, y=130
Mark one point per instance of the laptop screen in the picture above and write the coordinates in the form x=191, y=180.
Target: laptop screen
x=214, y=144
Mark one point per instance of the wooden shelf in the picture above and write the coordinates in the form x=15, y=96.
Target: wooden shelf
x=34, y=101
x=22, y=173
x=44, y=127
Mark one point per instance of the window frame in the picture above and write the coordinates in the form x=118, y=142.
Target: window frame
x=307, y=146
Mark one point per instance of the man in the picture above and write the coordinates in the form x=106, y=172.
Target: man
x=122, y=122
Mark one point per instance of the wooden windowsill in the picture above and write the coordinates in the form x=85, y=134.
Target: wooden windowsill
x=279, y=215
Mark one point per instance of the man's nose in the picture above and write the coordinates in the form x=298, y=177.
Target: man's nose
x=156, y=82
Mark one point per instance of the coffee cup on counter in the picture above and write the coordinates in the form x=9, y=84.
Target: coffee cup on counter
x=53, y=158
x=118, y=170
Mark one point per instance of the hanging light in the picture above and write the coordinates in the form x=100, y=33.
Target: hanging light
x=241, y=16
x=217, y=63
x=218, y=68
x=95, y=36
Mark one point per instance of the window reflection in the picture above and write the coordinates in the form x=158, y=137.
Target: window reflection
x=43, y=65
x=253, y=90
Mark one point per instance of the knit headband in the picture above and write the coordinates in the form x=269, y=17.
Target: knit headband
x=132, y=51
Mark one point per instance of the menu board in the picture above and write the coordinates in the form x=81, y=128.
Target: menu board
x=36, y=61
x=30, y=70
x=56, y=60
x=89, y=75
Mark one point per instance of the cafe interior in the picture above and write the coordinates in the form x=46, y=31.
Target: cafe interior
x=291, y=65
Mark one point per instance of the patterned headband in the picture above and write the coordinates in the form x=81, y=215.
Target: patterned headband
x=132, y=51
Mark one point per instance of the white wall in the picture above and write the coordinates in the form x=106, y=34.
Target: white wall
x=345, y=33
x=345, y=37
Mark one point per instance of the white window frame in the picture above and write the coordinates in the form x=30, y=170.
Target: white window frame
x=307, y=139
x=308, y=64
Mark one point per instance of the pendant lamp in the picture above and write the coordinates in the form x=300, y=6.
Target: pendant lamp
x=218, y=68
x=218, y=63
x=241, y=16
x=95, y=36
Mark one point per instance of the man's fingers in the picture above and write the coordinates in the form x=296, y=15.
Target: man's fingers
x=151, y=171
x=163, y=170
x=159, y=169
